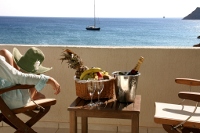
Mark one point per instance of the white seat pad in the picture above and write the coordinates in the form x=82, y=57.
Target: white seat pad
x=173, y=114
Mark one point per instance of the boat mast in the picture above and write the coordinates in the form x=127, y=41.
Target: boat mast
x=94, y=15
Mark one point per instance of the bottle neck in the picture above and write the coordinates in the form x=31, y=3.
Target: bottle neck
x=137, y=67
x=134, y=71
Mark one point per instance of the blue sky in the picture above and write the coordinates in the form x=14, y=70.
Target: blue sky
x=104, y=8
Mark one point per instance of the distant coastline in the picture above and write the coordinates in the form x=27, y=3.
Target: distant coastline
x=195, y=15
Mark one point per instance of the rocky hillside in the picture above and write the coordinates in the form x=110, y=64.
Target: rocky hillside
x=194, y=15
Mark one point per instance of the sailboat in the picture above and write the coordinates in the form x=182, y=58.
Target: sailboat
x=93, y=27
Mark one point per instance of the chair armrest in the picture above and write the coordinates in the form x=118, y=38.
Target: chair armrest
x=194, y=96
x=188, y=81
x=18, y=86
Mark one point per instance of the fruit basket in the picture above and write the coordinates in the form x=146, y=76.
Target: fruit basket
x=83, y=73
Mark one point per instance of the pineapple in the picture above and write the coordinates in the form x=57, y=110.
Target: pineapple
x=74, y=62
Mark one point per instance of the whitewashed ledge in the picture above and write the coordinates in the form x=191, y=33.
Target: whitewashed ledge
x=156, y=83
x=94, y=46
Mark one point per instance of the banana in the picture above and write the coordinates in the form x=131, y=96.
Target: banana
x=91, y=70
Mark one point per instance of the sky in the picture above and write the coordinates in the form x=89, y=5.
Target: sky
x=104, y=8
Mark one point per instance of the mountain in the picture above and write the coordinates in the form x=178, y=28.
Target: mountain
x=194, y=15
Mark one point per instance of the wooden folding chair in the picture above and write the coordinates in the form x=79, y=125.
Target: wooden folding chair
x=179, y=118
x=35, y=110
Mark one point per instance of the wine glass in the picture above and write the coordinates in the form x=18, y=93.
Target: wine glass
x=99, y=88
x=91, y=89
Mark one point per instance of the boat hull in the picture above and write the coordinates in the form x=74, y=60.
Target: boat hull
x=92, y=28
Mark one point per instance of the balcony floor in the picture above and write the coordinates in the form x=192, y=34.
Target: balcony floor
x=8, y=129
x=49, y=130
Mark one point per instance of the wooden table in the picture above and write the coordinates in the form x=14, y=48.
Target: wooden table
x=111, y=109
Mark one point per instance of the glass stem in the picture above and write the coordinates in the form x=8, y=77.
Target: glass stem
x=91, y=99
x=98, y=97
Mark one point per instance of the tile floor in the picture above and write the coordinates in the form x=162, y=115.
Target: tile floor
x=49, y=130
x=8, y=129
x=54, y=127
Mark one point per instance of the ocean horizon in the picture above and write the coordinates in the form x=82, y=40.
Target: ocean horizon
x=120, y=32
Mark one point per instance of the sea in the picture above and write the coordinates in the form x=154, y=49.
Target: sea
x=122, y=32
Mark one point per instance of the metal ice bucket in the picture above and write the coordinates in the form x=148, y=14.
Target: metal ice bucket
x=125, y=86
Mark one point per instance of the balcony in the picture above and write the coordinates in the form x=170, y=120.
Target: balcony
x=156, y=83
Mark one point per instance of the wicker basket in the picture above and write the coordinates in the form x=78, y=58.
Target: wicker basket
x=82, y=91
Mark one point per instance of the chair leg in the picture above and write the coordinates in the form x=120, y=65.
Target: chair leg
x=190, y=130
x=30, y=113
x=2, y=118
x=10, y=117
x=169, y=129
x=38, y=116
x=9, y=123
x=18, y=124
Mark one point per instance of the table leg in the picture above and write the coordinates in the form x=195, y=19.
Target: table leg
x=73, y=122
x=135, y=124
x=84, y=124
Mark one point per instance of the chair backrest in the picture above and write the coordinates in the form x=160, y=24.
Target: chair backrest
x=188, y=81
x=18, y=86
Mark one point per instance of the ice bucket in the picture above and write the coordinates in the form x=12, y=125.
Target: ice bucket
x=125, y=86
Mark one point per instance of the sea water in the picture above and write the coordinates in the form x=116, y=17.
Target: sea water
x=114, y=31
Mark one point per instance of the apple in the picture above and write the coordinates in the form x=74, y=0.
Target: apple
x=100, y=75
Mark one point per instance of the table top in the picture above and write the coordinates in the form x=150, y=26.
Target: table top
x=109, y=105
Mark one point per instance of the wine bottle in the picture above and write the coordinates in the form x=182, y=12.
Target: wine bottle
x=134, y=71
